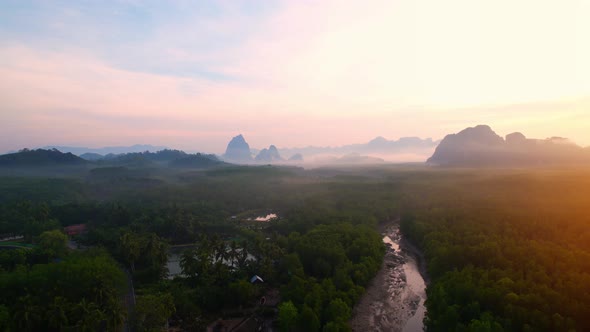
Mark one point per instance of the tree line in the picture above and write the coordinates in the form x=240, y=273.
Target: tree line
x=506, y=251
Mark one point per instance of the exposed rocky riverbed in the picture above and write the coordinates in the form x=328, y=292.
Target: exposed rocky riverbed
x=394, y=300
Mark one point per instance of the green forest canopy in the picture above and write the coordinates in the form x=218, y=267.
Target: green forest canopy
x=507, y=250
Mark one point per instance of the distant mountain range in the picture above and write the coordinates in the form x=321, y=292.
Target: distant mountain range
x=477, y=146
x=39, y=157
x=239, y=151
x=107, y=150
x=379, y=146
x=171, y=158
x=481, y=146
x=350, y=159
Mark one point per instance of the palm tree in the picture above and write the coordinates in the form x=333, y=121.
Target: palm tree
x=90, y=316
x=219, y=248
x=115, y=314
x=233, y=253
x=257, y=248
x=242, y=258
x=157, y=251
x=188, y=262
x=130, y=248
x=57, y=314
x=27, y=314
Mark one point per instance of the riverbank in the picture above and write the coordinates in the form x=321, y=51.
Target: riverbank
x=396, y=294
x=406, y=245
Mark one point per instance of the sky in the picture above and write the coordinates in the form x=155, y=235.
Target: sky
x=193, y=74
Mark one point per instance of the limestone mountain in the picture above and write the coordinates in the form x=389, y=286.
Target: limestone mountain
x=515, y=138
x=238, y=150
x=269, y=155
x=481, y=146
x=477, y=145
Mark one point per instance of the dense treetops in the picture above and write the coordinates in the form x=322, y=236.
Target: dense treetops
x=196, y=161
x=324, y=239
x=80, y=293
x=506, y=250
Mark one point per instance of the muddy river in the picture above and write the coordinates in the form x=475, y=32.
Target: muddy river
x=394, y=300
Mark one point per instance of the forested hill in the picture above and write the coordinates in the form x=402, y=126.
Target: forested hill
x=160, y=156
x=481, y=146
x=197, y=161
x=39, y=157
x=54, y=157
x=174, y=158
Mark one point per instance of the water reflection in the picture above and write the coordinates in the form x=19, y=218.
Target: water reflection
x=417, y=286
x=391, y=243
x=175, y=255
x=267, y=217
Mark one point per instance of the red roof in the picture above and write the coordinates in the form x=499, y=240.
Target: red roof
x=75, y=229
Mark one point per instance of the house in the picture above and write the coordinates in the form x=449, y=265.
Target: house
x=73, y=230
x=256, y=279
